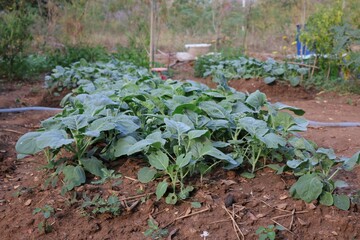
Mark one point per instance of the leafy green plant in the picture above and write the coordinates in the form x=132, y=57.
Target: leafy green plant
x=154, y=231
x=47, y=211
x=180, y=129
x=132, y=54
x=245, y=68
x=99, y=205
x=268, y=232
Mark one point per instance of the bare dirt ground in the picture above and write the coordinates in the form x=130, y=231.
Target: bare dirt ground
x=261, y=201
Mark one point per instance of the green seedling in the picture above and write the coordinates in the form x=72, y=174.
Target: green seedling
x=99, y=205
x=47, y=211
x=154, y=231
x=269, y=232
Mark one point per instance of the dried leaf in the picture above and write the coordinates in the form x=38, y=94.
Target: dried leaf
x=311, y=206
x=228, y=182
x=283, y=197
x=188, y=211
x=260, y=215
x=302, y=222
x=28, y=202
x=252, y=216
x=282, y=205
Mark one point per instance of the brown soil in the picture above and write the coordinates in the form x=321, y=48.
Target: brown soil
x=257, y=202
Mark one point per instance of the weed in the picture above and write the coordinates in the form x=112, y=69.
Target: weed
x=100, y=205
x=269, y=232
x=153, y=231
x=47, y=211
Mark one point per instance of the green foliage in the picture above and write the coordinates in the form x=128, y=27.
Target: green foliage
x=181, y=128
x=15, y=36
x=99, y=205
x=154, y=231
x=74, y=53
x=318, y=35
x=47, y=211
x=224, y=69
x=269, y=232
x=132, y=54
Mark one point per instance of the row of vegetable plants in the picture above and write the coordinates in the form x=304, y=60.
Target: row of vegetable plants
x=217, y=66
x=180, y=129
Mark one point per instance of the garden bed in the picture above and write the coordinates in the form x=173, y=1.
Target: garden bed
x=252, y=203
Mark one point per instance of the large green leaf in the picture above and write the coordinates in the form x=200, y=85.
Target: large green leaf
x=75, y=122
x=100, y=125
x=350, y=163
x=74, y=176
x=273, y=141
x=269, y=80
x=183, y=160
x=341, y=201
x=256, y=100
x=146, y=174
x=254, y=126
x=161, y=189
x=27, y=143
x=122, y=145
x=196, y=133
x=328, y=152
x=126, y=125
x=93, y=166
x=140, y=146
x=199, y=150
x=53, y=139
x=326, y=198
x=214, y=110
x=178, y=128
x=281, y=106
x=308, y=187
x=158, y=160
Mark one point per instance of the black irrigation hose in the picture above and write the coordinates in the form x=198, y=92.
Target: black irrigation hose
x=24, y=109
x=314, y=124
x=333, y=124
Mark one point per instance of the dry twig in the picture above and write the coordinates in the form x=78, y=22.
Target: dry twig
x=235, y=226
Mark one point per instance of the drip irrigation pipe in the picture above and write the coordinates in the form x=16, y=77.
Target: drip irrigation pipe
x=316, y=124
x=24, y=109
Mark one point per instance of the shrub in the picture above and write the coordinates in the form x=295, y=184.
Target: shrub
x=15, y=36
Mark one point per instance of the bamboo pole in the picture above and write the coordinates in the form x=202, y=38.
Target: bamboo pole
x=152, y=32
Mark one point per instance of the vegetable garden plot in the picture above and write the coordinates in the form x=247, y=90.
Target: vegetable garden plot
x=219, y=67
x=181, y=128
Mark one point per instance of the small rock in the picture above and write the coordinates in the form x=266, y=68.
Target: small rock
x=334, y=233
x=229, y=200
x=28, y=202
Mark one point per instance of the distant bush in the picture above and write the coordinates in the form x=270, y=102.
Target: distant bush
x=15, y=36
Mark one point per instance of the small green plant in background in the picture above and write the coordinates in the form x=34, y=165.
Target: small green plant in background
x=47, y=212
x=99, y=205
x=269, y=232
x=154, y=231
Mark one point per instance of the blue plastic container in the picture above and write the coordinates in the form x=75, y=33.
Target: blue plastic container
x=301, y=48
